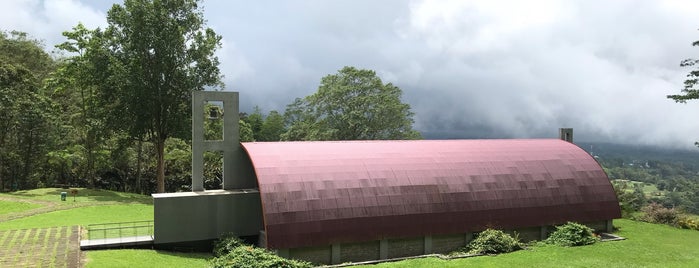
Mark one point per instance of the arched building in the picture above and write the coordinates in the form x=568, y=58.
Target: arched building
x=333, y=202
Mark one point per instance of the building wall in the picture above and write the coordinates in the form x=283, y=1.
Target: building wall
x=206, y=215
x=601, y=226
x=405, y=247
x=527, y=234
x=449, y=243
x=360, y=251
x=313, y=254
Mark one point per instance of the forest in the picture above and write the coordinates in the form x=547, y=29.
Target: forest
x=643, y=174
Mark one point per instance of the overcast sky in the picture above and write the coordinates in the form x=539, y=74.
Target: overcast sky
x=469, y=69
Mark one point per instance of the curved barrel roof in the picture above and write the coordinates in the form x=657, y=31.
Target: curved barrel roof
x=318, y=193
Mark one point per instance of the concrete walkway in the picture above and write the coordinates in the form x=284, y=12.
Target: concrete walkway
x=45, y=247
x=116, y=242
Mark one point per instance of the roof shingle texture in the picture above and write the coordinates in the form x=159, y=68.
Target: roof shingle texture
x=318, y=193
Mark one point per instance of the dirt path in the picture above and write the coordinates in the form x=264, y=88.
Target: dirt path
x=44, y=247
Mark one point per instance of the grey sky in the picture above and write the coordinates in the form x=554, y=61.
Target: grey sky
x=469, y=69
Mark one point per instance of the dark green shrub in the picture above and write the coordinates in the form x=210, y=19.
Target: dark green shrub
x=230, y=251
x=656, y=213
x=572, y=234
x=493, y=241
x=226, y=244
x=253, y=257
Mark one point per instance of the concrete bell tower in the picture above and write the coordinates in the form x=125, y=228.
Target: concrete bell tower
x=196, y=217
x=566, y=134
x=229, y=144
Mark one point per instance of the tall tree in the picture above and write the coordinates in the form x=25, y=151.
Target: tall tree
x=160, y=51
x=353, y=104
x=80, y=83
x=25, y=111
x=691, y=84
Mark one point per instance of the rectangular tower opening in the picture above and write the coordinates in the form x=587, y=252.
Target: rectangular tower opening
x=213, y=120
x=213, y=170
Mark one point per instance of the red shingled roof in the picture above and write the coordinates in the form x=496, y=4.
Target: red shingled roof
x=317, y=193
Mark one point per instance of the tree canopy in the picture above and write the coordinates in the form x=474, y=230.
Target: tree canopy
x=353, y=104
x=158, y=52
x=263, y=128
x=26, y=121
x=691, y=84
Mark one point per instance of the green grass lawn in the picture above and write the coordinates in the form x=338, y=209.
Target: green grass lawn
x=40, y=208
x=93, y=207
x=145, y=258
x=83, y=216
x=648, y=245
x=7, y=207
x=90, y=196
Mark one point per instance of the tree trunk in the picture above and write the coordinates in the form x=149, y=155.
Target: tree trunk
x=139, y=159
x=28, y=160
x=2, y=183
x=90, y=165
x=160, y=145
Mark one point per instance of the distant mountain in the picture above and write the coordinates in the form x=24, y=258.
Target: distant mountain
x=602, y=150
x=636, y=153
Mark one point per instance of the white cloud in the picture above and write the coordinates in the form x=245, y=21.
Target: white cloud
x=477, y=26
x=47, y=19
x=468, y=68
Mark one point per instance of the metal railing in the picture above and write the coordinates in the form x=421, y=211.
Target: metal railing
x=120, y=230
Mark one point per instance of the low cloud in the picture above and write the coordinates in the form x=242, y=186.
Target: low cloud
x=469, y=69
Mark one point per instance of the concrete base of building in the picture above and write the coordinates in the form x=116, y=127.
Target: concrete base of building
x=411, y=246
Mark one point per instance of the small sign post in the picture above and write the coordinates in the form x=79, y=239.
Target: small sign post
x=74, y=192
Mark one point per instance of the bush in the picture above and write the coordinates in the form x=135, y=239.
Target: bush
x=656, y=213
x=688, y=223
x=226, y=244
x=230, y=251
x=253, y=257
x=493, y=241
x=572, y=234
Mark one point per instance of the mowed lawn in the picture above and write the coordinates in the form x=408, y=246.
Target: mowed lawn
x=137, y=258
x=42, y=208
x=7, y=207
x=647, y=245
x=82, y=216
